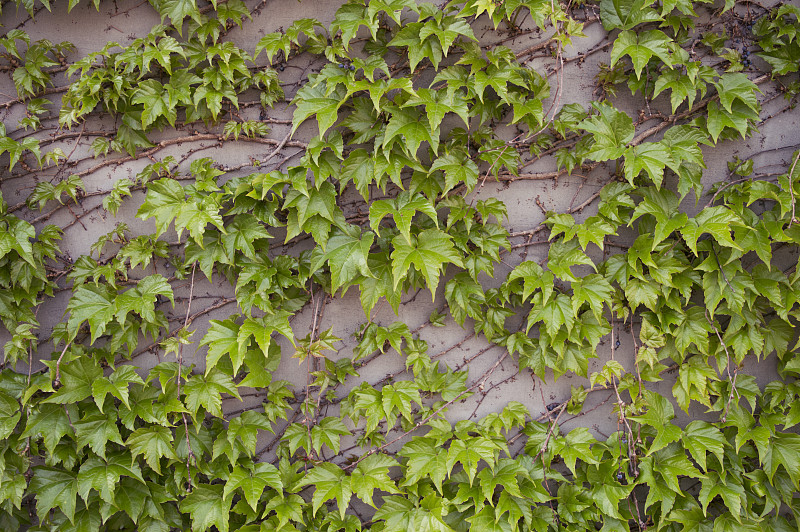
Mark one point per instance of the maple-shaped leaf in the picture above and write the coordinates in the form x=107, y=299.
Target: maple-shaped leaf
x=577, y=444
x=376, y=89
x=104, y=475
x=419, y=48
x=658, y=415
x=470, y=452
x=400, y=396
x=716, y=221
x=381, y=285
x=429, y=252
x=563, y=256
x=261, y=330
x=408, y=124
x=393, y=8
x=253, y=482
x=328, y=432
x=222, y=339
x=683, y=87
x=241, y=234
x=640, y=47
x=402, y=208
x=684, y=143
x=738, y=118
x=166, y=202
x=312, y=100
x=142, y=298
x=359, y=167
x=504, y=474
x=533, y=278
x=92, y=304
x=438, y=104
x=700, y=438
x=314, y=202
x=736, y=86
x=155, y=443
x=373, y=473
x=54, y=488
x=625, y=14
x=458, y=168
x=96, y=431
x=728, y=488
x=272, y=43
x=207, y=507
x=424, y=459
x=783, y=59
x=156, y=103
x=346, y=254
x=77, y=378
x=652, y=157
x=349, y=18
x=206, y=390
x=51, y=422
x=612, y=131
x=593, y=289
x=782, y=451
x=330, y=482
x=556, y=312
x=661, y=472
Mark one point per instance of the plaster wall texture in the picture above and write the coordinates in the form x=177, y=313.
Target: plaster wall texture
x=527, y=201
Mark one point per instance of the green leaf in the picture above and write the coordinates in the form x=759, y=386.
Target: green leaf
x=92, y=304
x=166, y=201
x=429, y=252
x=701, y=438
x=612, y=131
x=413, y=131
x=592, y=289
x=347, y=254
x=154, y=443
x=208, y=507
x=625, y=14
x=458, y=168
x=424, y=459
x=652, y=157
x=253, y=482
x=205, y=391
x=403, y=208
x=328, y=432
x=51, y=422
x=312, y=100
x=716, y=221
x=104, y=475
x=54, y=488
x=349, y=18
x=330, y=482
x=576, y=445
x=370, y=474
x=640, y=47
x=142, y=298
x=97, y=431
x=470, y=452
x=782, y=451
x=115, y=384
x=400, y=396
x=222, y=339
x=658, y=416
x=77, y=378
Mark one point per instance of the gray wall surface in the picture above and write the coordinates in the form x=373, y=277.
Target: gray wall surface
x=526, y=199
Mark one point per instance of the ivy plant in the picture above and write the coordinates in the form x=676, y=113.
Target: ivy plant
x=404, y=116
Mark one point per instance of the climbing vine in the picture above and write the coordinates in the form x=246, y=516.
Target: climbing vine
x=151, y=404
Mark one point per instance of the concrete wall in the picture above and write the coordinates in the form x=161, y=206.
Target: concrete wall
x=526, y=201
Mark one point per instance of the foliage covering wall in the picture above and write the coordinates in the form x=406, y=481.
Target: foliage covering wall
x=416, y=110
